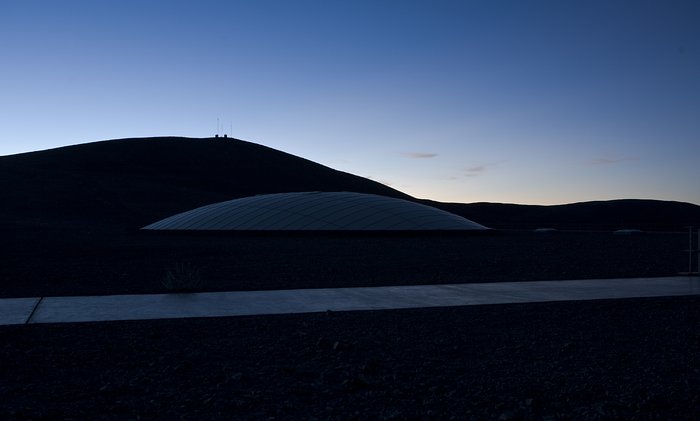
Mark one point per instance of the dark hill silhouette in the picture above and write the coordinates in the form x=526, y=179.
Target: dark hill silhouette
x=133, y=182
x=597, y=215
x=128, y=183
x=641, y=214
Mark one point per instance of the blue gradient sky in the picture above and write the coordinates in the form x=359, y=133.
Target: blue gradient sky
x=538, y=102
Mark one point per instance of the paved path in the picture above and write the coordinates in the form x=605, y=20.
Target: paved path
x=218, y=304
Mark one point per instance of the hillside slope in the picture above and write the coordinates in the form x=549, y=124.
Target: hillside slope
x=132, y=182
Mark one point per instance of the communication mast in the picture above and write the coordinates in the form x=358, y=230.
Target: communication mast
x=220, y=128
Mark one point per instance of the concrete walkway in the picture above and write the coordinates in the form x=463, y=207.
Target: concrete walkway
x=219, y=304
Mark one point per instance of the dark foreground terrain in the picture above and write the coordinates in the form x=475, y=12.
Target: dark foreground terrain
x=617, y=359
x=609, y=359
x=37, y=263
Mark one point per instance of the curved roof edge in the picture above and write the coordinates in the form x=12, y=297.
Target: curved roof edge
x=316, y=211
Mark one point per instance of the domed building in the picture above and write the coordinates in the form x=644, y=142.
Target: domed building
x=317, y=211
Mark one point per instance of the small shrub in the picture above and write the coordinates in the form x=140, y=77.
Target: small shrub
x=183, y=277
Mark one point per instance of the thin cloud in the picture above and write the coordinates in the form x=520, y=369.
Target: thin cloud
x=419, y=155
x=609, y=161
x=474, y=171
x=479, y=168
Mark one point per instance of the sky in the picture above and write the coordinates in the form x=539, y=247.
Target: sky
x=523, y=101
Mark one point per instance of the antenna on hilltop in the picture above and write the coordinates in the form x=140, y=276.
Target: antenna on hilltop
x=220, y=128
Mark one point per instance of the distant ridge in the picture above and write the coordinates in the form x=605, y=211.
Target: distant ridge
x=655, y=215
x=127, y=183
